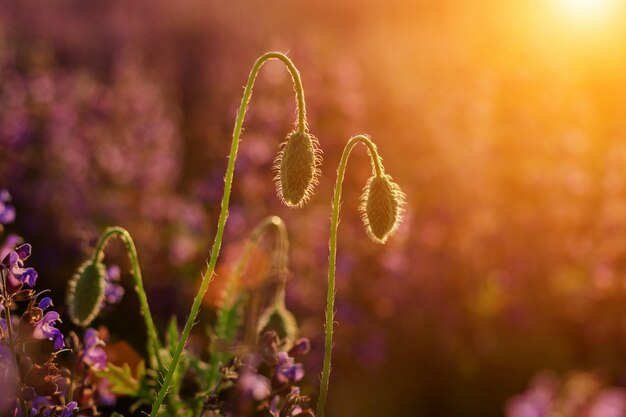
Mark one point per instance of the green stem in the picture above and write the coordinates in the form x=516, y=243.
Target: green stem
x=207, y=277
x=153, y=345
x=256, y=235
x=282, y=244
x=332, y=258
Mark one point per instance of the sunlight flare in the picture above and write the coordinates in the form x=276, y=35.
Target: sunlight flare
x=586, y=12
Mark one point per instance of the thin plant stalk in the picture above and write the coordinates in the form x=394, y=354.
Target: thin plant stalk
x=332, y=258
x=153, y=344
x=282, y=246
x=207, y=277
x=259, y=231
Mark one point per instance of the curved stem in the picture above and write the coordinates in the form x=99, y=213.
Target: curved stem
x=153, y=345
x=332, y=258
x=207, y=277
x=282, y=247
x=282, y=244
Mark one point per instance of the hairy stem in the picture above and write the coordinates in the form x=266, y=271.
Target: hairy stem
x=282, y=245
x=256, y=235
x=332, y=258
x=153, y=344
x=207, y=277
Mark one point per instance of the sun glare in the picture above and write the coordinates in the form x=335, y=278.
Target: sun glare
x=586, y=12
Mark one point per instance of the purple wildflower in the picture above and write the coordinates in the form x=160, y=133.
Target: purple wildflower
x=104, y=394
x=93, y=355
x=44, y=329
x=287, y=371
x=7, y=211
x=68, y=410
x=45, y=303
x=254, y=385
x=113, y=292
x=9, y=244
x=300, y=347
x=18, y=274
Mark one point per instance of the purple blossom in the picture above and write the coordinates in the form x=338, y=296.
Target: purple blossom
x=44, y=329
x=7, y=211
x=113, y=292
x=9, y=244
x=18, y=274
x=93, y=355
x=302, y=346
x=68, y=410
x=254, y=385
x=45, y=303
x=287, y=371
x=104, y=394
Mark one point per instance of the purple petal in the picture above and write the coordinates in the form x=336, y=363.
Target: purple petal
x=302, y=346
x=7, y=214
x=45, y=303
x=113, y=293
x=5, y=196
x=105, y=395
x=29, y=277
x=44, y=328
x=11, y=260
x=59, y=343
x=93, y=354
x=91, y=338
x=96, y=358
x=254, y=385
x=24, y=251
x=9, y=244
x=68, y=409
x=113, y=273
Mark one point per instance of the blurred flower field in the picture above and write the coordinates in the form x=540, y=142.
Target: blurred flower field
x=502, y=293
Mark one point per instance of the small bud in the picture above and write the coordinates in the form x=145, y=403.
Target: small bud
x=381, y=207
x=85, y=293
x=297, y=169
x=280, y=320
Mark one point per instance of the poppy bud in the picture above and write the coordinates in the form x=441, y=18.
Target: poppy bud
x=279, y=319
x=381, y=207
x=297, y=169
x=85, y=293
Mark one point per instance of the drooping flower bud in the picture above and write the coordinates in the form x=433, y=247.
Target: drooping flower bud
x=297, y=168
x=85, y=293
x=279, y=319
x=381, y=207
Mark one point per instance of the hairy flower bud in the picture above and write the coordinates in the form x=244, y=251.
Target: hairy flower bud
x=297, y=169
x=381, y=207
x=85, y=293
x=279, y=319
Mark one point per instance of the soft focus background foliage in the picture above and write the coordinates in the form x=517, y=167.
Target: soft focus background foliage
x=502, y=121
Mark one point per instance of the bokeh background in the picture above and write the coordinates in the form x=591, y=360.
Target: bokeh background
x=503, y=121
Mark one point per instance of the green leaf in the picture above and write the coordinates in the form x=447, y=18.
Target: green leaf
x=122, y=380
x=172, y=334
x=229, y=320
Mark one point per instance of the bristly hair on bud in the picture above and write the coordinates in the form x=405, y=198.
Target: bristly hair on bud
x=297, y=168
x=85, y=293
x=382, y=204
